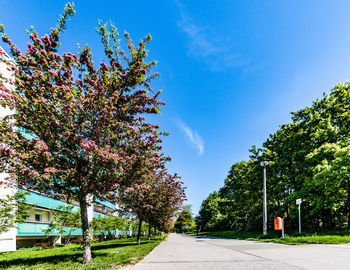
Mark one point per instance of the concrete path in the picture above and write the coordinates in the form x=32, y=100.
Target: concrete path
x=190, y=253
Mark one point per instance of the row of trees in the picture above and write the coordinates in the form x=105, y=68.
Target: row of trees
x=65, y=221
x=308, y=158
x=81, y=131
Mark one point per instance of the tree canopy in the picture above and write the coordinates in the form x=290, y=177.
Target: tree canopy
x=308, y=159
x=79, y=130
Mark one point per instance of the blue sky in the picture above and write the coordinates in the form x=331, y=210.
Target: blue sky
x=231, y=71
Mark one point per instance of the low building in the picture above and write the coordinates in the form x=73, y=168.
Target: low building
x=40, y=215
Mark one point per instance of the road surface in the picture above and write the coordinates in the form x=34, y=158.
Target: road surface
x=189, y=252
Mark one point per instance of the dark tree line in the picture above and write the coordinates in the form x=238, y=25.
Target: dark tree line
x=309, y=158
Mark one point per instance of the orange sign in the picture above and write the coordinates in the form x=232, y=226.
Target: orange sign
x=278, y=223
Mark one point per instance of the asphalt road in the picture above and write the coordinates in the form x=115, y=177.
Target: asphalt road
x=190, y=253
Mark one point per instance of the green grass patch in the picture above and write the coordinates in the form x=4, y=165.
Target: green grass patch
x=106, y=255
x=326, y=237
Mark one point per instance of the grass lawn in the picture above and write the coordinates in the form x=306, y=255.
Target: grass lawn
x=106, y=255
x=327, y=237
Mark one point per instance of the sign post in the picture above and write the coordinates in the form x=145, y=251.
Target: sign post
x=298, y=202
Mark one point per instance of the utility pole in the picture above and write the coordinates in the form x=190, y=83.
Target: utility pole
x=264, y=164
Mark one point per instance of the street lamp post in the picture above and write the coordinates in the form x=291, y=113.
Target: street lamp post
x=264, y=164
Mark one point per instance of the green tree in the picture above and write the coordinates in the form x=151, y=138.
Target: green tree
x=107, y=224
x=13, y=209
x=308, y=159
x=331, y=177
x=242, y=192
x=64, y=222
x=211, y=214
x=184, y=222
x=188, y=208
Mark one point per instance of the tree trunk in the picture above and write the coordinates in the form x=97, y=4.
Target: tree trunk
x=69, y=236
x=149, y=231
x=139, y=232
x=86, y=232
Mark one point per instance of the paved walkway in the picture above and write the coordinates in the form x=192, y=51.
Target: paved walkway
x=190, y=253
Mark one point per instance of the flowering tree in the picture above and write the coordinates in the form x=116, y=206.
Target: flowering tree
x=155, y=199
x=167, y=198
x=77, y=124
x=136, y=197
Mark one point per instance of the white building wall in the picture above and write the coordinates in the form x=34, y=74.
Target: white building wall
x=7, y=239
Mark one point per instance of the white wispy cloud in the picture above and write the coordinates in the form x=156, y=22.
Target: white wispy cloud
x=194, y=138
x=213, y=51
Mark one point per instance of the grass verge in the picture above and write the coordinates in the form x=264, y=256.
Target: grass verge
x=327, y=237
x=106, y=255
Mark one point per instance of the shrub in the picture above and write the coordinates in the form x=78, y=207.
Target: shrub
x=76, y=241
x=24, y=248
x=43, y=245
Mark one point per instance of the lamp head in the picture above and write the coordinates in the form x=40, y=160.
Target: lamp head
x=264, y=163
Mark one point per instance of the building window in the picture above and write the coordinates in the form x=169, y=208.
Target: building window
x=38, y=217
